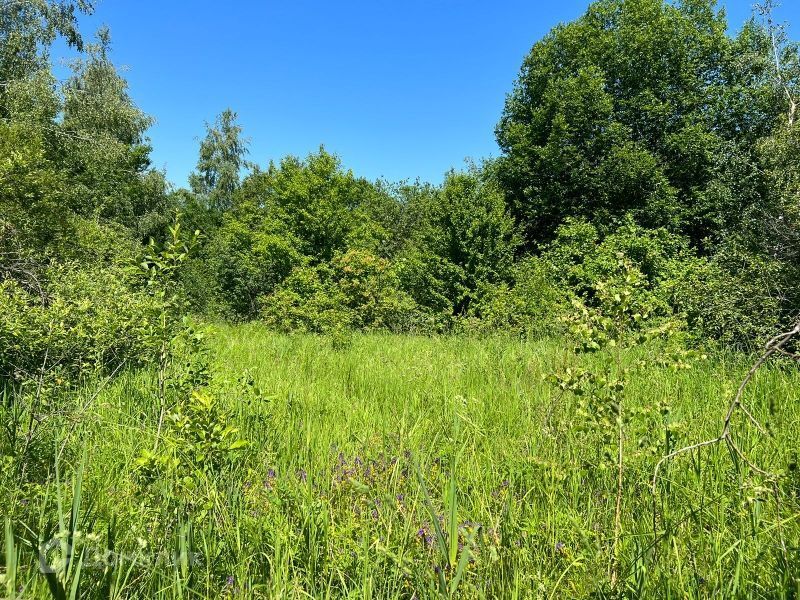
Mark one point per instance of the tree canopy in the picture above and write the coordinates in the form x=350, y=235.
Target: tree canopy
x=642, y=107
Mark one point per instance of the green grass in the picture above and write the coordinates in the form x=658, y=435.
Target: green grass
x=364, y=461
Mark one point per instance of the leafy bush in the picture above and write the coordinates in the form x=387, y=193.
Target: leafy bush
x=733, y=298
x=200, y=441
x=580, y=258
x=370, y=290
x=465, y=241
x=529, y=306
x=356, y=290
x=84, y=321
x=433, y=282
x=248, y=260
x=304, y=302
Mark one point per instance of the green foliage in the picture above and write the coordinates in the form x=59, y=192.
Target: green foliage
x=199, y=442
x=581, y=259
x=464, y=241
x=370, y=291
x=87, y=321
x=429, y=279
x=530, y=306
x=222, y=158
x=327, y=209
x=74, y=162
x=356, y=290
x=247, y=260
x=28, y=27
x=643, y=107
x=31, y=195
x=734, y=298
x=104, y=150
x=305, y=302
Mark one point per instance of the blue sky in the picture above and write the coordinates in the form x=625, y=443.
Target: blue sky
x=399, y=89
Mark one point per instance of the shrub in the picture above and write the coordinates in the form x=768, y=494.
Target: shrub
x=732, y=298
x=370, y=289
x=356, y=290
x=529, y=306
x=434, y=284
x=304, y=303
x=464, y=242
x=84, y=321
x=580, y=258
x=248, y=262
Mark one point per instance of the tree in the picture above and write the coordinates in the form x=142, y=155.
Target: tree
x=785, y=56
x=103, y=145
x=28, y=27
x=221, y=161
x=327, y=209
x=464, y=242
x=247, y=260
x=32, y=211
x=643, y=107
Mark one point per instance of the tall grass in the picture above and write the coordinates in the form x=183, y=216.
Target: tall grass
x=412, y=467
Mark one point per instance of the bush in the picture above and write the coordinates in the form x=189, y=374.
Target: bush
x=84, y=321
x=530, y=306
x=248, y=262
x=370, y=289
x=434, y=284
x=464, y=241
x=580, y=258
x=356, y=290
x=305, y=303
x=732, y=298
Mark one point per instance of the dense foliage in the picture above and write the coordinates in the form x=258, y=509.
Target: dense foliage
x=646, y=205
x=642, y=107
x=642, y=128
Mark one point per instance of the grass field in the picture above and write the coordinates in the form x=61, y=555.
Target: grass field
x=409, y=467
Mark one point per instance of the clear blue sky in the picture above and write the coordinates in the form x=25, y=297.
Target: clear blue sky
x=399, y=89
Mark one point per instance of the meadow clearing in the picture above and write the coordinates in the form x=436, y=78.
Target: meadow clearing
x=387, y=466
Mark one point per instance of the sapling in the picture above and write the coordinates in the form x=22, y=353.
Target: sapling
x=161, y=266
x=622, y=319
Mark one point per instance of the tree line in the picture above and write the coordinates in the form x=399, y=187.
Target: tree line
x=641, y=133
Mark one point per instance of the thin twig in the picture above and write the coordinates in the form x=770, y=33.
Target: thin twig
x=773, y=346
